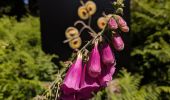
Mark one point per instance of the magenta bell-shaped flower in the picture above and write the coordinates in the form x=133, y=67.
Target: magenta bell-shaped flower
x=87, y=85
x=106, y=74
x=118, y=42
x=72, y=79
x=121, y=22
x=107, y=56
x=94, y=66
x=68, y=97
x=112, y=24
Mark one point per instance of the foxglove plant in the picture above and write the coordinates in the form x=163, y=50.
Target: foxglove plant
x=96, y=55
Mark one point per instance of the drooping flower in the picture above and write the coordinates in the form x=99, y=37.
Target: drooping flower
x=112, y=24
x=94, y=66
x=118, y=42
x=107, y=56
x=121, y=22
x=88, y=85
x=125, y=29
x=106, y=74
x=72, y=79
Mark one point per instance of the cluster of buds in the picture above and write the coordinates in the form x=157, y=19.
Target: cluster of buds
x=95, y=63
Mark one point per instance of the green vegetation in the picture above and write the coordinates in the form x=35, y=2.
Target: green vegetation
x=150, y=34
x=25, y=69
x=127, y=87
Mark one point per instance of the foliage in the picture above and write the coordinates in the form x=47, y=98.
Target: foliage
x=151, y=30
x=127, y=87
x=150, y=33
x=151, y=43
x=18, y=8
x=25, y=69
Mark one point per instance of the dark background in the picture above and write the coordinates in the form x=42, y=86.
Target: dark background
x=57, y=15
x=18, y=8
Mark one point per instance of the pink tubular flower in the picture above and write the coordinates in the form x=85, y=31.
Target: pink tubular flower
x=112, y=24
x=68, y=97
x=94, y=67
x=107, y=55
x=87, y=86
x=121, y=22
x=125, y=29
x=118, y=42
x=72, y=79
x=106, y=74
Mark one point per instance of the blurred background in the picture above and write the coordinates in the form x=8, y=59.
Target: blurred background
x=29, y=62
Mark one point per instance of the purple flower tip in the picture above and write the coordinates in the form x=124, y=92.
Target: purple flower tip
x=73, y=76
x=107, y=55
x=125, y=29
x=112, y=24
x=118, y=42
x=121, y=21
x=94, y=67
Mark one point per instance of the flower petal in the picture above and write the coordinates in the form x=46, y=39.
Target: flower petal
x=94, y=67
x=72, y=79
x=106, y=75
x=87, y=86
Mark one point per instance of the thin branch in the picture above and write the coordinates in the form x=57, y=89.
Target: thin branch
x=104, y=14
x=65, y=41
x=81, y=30
x=84, y=47
x=88, y=43
x=89, y=21
x=81, y=1
x=88, y=27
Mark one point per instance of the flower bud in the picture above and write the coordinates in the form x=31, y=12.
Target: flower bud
x=118, y=42
x=125, y=29
x=121, y=22
x=112, y=24
x=94, y=67
x=73, y=76
x=107, y=55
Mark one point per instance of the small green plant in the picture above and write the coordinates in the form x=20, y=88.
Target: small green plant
x=25, y=70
